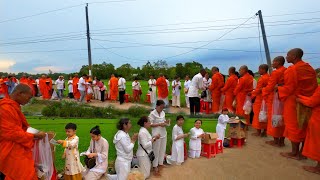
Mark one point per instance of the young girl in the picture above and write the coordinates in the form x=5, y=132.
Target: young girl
x=178, y=136
x=222, y=123
x=73, y=167
x=196, y=133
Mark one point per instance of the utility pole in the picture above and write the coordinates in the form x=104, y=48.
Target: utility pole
x=88, y=40
x=265, y=42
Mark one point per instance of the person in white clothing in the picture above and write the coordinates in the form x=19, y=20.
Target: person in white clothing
x=176, y=87
x=222, y=124
x=167, y=80
x=60, y=87
x=158, y=126
x=206, y=83
x=177, y=156
x=186, y=89
x=70, y=87
x=196, y=134
x=122, y=88
x=124, y=147
x=193, y=93
x=136, y=88
x=152, y=89
x=99, y=148
x=82, y=87
x=96, y=89
x=145, y=141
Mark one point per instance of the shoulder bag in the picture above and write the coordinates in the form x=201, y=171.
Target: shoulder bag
x=150, y=155
x=90, y=162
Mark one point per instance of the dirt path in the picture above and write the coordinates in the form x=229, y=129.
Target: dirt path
x=256, y=160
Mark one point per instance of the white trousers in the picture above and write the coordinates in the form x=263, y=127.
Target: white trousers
x=123, y=169
x=144, y=165
x=159, y=149
x=97, y=94
x=93, y=176
x=153, y=95
x=194, y=153
x=220, y=131
x=176, y=100
x=187, y=101
x=177, y=152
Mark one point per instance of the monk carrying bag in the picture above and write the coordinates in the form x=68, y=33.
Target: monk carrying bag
x=90, y=162
x=150, y=155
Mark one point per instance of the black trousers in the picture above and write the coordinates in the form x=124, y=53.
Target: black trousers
x=121, y=96
x=251, y=113
x=2, y=176
x=102, y=95
x=194, y=105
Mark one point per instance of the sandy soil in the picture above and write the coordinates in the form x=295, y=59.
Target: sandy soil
x=256, y=160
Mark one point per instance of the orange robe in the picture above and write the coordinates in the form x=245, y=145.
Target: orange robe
x=262, y=82
x=312, y=143
x=4, y=90
x=47, y=88
x=299, y=79
x=76, y=92
x=42, y=86
x=113, y=88
x=276, y=78
x=16, y=160
x=23, y=81
x=227, y=90
x=32, y=84
x=244, y=86
x=162, y=86
x=215, y=88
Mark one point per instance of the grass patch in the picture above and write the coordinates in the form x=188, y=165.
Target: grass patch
x=108, y=128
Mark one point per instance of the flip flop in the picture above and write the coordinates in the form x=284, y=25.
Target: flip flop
x=311, y=169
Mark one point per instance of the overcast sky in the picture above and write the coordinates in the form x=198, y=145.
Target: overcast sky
x=136, y=31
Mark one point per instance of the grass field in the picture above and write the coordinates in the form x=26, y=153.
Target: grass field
x=108, y=128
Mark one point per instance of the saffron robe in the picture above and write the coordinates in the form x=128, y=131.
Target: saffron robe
x=76, y=92
x=299, y=79
x=257, y=93
x=276, y=78
x=227, y=90
x=16, y=160
x=113, y=88
x=215, y=88
x=162, y=88
x=244, y=86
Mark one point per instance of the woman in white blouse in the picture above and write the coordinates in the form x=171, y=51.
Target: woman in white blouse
x=145, y=141
x=136, y=88
x=158, y=126
x=99, y=148
x=222, y=124
x=70, y=88
x=196, y=134
x=124, y=147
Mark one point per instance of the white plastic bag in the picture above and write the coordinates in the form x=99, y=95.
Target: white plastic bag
x=42, y=157
x=263, y=117
x=277, y=112
x=247, y=106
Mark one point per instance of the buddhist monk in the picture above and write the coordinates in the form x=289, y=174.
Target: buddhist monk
x=261, y=127
x=16, y=160
x=76, y=92
x=113, y=88
x=215, y=88
x=33, y=85
x=268, y=93
x=228, y=89
x=3, y=89
x=299, y=79
x=23, y=79
x=43, y=85
x=162, y=87
x=243, y=88
x=312, y=142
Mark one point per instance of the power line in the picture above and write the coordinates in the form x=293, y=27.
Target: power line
x=289, y=14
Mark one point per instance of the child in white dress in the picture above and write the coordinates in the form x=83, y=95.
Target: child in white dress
x=178, y=136
x=196, y=134
x=222, y=124
x=73, y=167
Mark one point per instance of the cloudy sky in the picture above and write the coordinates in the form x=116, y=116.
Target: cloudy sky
x=37, y=35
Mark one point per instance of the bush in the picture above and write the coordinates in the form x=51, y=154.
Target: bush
x=137, y=111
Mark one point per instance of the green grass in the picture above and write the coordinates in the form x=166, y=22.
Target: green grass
x=108, y=128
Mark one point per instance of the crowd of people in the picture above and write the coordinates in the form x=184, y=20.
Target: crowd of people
x=285, y=104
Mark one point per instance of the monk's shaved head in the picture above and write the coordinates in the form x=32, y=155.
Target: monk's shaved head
x=297, y=52
x=232, y=70
x=214, y=68
x=21, y=88
x=263, y=69
x=245, y=68
x=280, y=60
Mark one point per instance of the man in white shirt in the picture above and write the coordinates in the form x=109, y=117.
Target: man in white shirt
x=186, y=89
x=82, y=87
x=122, y=88
x=152, y=89
x=193, y=93
x=60, y=86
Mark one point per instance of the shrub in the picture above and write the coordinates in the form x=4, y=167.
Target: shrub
x=137, y=111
